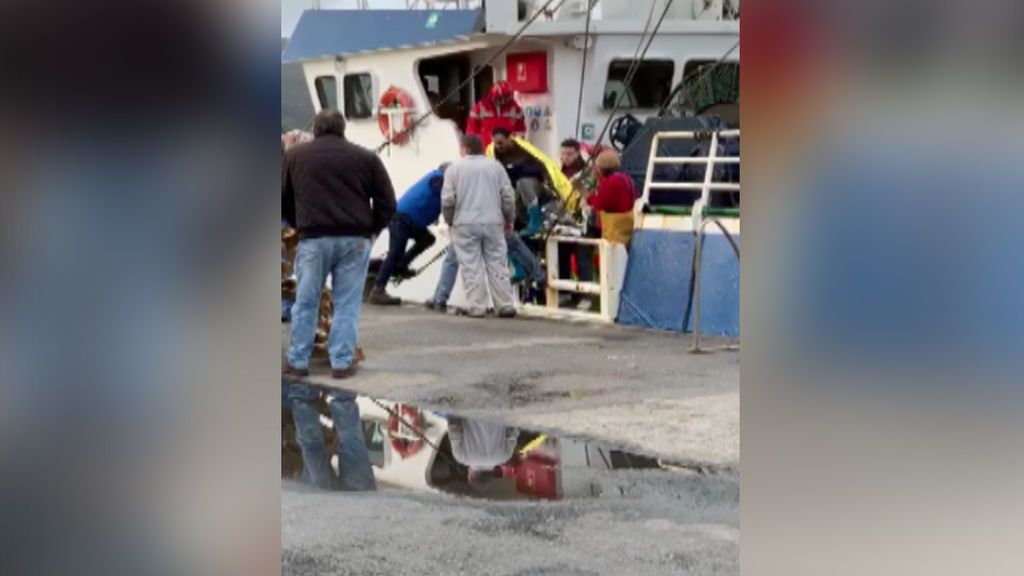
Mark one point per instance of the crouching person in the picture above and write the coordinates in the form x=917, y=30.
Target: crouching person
x=418, y=208
x=479, y=203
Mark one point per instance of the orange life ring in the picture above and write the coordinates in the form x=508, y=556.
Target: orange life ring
x=395, y=98
x=405, y=447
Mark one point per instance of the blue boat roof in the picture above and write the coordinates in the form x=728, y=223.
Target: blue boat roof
x=328, y=33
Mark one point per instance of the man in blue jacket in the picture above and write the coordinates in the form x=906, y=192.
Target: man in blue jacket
x=418, y=208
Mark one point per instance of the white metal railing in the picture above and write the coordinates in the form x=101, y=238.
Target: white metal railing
x=699, y=209
x=608, y=277
x=708, y=186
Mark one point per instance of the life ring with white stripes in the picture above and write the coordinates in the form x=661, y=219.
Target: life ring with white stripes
x=405, y=447
x=395, y=98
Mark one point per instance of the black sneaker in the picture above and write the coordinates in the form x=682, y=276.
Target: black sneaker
x=436, y=306
x=507, y=312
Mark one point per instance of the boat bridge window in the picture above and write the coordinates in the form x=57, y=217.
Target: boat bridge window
x=327, y=92
x=649, y=88
x=442, y=76
x=358, y=96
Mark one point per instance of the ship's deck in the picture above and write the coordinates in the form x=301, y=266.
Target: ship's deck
x=624, y=386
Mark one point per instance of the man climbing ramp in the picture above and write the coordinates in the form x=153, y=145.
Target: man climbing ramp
x=418, y=208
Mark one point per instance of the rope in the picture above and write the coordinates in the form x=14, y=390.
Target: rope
x=583, y=67
x=633, y=69
x=634, y=66
x=418, y=432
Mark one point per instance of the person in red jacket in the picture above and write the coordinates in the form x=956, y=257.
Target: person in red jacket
x=496, y=110
x=615, y=195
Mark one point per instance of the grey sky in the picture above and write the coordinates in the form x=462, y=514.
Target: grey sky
x=292, y=9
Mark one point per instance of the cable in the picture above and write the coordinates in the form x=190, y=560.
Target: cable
x=631, y=71
x=636, y=66
x=583, y=67
x=435, y=447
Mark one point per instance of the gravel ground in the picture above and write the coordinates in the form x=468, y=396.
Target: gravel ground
x=666, y=524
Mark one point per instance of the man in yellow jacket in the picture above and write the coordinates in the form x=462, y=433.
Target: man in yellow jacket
x=527, y=167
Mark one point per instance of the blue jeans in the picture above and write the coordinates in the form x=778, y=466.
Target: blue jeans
x=355, y=470
x=518, y=252
x=346, y=260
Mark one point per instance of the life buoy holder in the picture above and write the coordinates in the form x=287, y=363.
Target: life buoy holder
x=395, y=98
x=405, y=447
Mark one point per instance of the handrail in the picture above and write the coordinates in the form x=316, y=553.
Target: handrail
x=710, y=161
x=698, y=248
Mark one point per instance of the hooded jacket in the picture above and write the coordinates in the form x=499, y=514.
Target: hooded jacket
x=496, y=110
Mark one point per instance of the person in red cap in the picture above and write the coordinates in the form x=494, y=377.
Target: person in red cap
x=496, y=110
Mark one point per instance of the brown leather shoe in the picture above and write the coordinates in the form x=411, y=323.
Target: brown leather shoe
x=382, y=298
x=289, y=370
x=343, y=373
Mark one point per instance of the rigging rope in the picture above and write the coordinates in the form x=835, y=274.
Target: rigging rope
x=583, y=68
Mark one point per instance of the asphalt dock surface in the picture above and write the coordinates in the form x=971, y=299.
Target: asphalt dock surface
x=636, y=389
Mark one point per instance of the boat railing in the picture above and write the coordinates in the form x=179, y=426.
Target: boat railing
x=701, y=211
x=607, y=284
x=712, y=160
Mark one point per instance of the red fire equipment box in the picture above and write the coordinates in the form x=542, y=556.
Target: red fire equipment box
x=528, y=72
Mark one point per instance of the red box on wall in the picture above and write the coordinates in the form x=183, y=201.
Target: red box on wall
x=528, y=72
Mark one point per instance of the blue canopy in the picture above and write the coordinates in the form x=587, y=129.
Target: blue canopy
x=328, y=33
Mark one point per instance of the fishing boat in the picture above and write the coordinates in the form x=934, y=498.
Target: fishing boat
x=656, y=79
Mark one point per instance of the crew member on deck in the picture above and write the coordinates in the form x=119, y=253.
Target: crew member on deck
x=496, y=110
x=614, y=199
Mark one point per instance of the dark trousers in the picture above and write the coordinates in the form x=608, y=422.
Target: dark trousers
x=400, y=231
x=584, y=261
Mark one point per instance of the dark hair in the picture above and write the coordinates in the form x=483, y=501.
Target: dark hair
x=473, y=144
x=501, y=132
x=329, y=121
x=571, y=143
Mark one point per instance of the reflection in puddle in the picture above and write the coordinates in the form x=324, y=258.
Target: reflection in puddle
x=414, y=449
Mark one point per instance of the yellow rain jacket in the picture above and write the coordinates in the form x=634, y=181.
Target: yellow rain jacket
x=561, y=184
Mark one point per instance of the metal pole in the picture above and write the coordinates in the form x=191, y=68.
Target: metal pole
x=697, y=250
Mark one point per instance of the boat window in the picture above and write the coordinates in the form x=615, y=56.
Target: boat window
x=327, y=92
x=445, y=82
x=649, y=88
x=712, y=88
x=358, y=96
x=483, y=79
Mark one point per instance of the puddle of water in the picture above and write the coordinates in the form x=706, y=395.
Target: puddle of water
x=415, y=449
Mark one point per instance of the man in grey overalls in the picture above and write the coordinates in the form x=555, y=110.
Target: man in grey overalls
x=478, y=202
